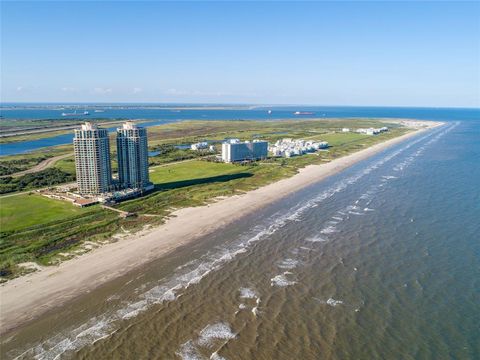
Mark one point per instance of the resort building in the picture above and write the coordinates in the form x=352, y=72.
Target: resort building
x=92, y=160
x=234, y=150
x=372, y=131
x=132, y=153
x=199, y=146
x=290, y=147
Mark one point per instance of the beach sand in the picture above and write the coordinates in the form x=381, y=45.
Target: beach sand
x=24, y=298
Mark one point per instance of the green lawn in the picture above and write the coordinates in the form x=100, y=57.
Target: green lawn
x=67, y=165
x=190, y=170
x=21, y=211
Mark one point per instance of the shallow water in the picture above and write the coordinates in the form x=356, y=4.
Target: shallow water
x=381, y=261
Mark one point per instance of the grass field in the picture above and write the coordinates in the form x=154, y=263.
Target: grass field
x=190, y=170
x=23, y=211
x=67, y=165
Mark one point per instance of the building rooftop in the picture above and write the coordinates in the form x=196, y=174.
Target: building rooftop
x=128, y=125
x=89, y=126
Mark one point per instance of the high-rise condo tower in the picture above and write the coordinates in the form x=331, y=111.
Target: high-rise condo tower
x=132, y=152
x=92, y=160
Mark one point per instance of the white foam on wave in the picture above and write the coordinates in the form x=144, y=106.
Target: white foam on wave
x=188, y=351
x=281, y=281
x=288, y=264
x=333, y=302
x=215, y=356
x=389, y=177
x=368, y=209
x=247, y=293
x=218, y=331
x=329, y=230
x=315, y=239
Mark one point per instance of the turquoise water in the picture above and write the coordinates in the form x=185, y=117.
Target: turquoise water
x=381, y=261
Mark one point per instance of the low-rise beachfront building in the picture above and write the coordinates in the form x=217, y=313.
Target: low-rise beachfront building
x=372, y=131
x=289, y=147
x=345, y=130
x=234, y=150
x=199, y=146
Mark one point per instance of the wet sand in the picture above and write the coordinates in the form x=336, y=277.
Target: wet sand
x=27, y=297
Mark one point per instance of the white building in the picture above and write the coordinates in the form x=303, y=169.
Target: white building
x=132, y=153
x=92, y=160
x=345, y=130
x=199, y=146
x=372, y=131
x=233, y=150
x=289, y=147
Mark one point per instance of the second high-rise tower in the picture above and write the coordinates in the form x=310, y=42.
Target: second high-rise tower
x=132, y=154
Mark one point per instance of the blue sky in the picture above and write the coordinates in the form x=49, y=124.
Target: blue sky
x=324, y=53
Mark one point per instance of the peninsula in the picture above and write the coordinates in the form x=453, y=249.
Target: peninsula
x=26, y=297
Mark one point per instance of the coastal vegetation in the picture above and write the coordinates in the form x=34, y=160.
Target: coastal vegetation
x=12, y=166
x=62, y=230
x=44, y=178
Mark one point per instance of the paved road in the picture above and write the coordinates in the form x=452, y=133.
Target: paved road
x=45, y=164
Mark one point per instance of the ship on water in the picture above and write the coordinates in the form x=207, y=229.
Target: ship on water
x=303, y=113
x=70, y=114
x=86, y=113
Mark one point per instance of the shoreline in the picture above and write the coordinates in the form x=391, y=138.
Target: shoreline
x=27, y=297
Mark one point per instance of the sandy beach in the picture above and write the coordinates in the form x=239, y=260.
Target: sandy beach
x=24, y=298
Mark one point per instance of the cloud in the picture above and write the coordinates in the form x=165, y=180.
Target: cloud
x=20, y=88
x=137, y=90
x=68, y=89
x=103, y=91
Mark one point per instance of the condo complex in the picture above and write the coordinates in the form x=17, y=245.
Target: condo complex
x=93, y=167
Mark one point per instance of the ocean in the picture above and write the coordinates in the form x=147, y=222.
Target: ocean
x=381, y=261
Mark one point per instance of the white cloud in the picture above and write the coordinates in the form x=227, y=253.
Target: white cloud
x=103, y=91
x=68, y=89
x=20, y=88
x=137, y=90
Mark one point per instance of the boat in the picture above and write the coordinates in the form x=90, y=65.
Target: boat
x=303, y=113
x=269, y=111
x=70, y=114
x=86, y=113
